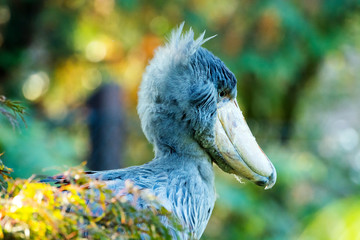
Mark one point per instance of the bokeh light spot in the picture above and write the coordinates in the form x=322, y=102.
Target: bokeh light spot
x=95, y=51
x=349, y=139
x=35, y=86
x=4, y=14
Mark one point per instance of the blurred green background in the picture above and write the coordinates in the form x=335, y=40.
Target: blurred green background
x=297, y=65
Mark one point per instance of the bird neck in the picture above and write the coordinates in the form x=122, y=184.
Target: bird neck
x=188, y=167
x=190, y=158
x=181, y=145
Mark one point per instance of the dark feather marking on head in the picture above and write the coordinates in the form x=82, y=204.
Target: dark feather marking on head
x=204, y=62
x=158, y=99
x=183, y=117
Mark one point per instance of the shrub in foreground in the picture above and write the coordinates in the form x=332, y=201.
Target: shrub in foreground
x=82, y=208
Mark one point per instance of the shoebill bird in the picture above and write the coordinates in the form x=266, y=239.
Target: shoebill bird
x=188, y=111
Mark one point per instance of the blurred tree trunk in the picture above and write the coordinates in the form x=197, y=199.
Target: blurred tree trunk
x=248, y=85
x=107, y=128
x=292, y=96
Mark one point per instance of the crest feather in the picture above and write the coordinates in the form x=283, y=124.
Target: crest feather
x=183, y=44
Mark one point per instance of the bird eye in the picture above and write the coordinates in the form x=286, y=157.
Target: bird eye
x=222, y=94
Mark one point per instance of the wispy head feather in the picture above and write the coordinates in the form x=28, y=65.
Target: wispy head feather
x=167, y=79
x=182, y=44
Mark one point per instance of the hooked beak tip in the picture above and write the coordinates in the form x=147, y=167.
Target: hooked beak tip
x=267, y=182
x=271, y=180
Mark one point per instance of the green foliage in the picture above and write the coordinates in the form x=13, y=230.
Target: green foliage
x=81, y=208
x=341, y=218
x=16, y=110
x=57, y=146
x=85, y=207
x=4, y=175
x=293, y=63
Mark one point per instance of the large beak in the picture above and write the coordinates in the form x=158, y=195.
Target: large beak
x=239, y=148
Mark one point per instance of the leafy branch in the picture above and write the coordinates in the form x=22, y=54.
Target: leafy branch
x=80, y=207
x=12, y=110
x=4, y=175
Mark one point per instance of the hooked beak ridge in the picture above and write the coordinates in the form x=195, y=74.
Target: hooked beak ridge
x=239, y=148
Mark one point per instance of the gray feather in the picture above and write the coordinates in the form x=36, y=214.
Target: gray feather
x=177, y=107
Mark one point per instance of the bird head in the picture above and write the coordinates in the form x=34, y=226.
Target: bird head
x=188, y=98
